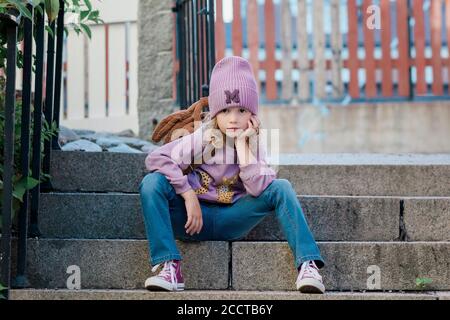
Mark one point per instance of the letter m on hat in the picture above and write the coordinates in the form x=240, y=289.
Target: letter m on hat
x=232, y=96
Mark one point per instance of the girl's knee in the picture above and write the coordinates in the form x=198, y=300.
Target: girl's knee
x=281, y=184
x=152, y=181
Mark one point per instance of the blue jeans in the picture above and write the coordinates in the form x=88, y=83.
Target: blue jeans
x=165, y=217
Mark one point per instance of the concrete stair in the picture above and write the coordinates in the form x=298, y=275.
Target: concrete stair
x=255, y=265
x=388, y=211
x=93, y=294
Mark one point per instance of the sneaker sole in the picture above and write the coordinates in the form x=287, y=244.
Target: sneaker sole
x=159, y=285
x=311, y=286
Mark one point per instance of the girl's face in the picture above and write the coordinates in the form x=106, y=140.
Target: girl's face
x=231, y=119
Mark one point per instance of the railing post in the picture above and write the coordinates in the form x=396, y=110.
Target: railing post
x=10, y=20
x=48, y=106
x=211, y=47
x=37, y=122
x=21, y=280
x=181, y=76
x=58, y=71
x=194, y=35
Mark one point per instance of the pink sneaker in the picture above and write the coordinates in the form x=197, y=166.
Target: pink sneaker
x=169, y=278
x=309, y=280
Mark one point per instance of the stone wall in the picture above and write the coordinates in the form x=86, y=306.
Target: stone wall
x=389, y=127
x=155, y=25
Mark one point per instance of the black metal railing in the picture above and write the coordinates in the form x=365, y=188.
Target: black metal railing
x=195, y=49
x=10, y=22
x=28, y=215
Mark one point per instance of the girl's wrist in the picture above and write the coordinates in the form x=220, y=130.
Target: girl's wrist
x=240, y=142
x=188, y=194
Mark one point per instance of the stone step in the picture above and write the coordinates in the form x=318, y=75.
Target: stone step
x=216, y=265
x=324, y=174
x=350, y=265
x=88, y=215
x=65, y=294
x=341, y=218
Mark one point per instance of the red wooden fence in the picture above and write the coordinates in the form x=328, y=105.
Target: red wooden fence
x=399, y=70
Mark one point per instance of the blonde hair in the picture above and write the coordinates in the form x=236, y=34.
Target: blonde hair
x=210, y=125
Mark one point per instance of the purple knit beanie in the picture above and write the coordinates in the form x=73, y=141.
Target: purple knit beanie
x=232, y=85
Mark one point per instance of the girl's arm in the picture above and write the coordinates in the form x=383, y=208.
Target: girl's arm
x=174, y=157
x=255, y=174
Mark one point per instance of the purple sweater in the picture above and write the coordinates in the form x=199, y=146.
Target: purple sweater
x=215, y=180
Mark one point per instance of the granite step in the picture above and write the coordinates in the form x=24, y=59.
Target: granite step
x=331, y=218
x=96, y=294
x=324, y=174
x=240, y=265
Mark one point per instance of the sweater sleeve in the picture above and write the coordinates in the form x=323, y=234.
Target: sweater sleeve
x=174, y=157
x=257, y=176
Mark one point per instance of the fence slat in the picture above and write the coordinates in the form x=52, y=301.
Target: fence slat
x=336, y=47
x=253, y=38
x=386, y=82
x=97, y=70
x=331, y=69
x=436, y=27
x=205, y=44
x=286, y=45
x=176, y=62
x=219, y=31
x=419, y=44
x=75, y=76
x=133, y=69
x=353, y=48
x=107, y=73
x=447, y=27
x=369, y=46
x=117, y=70
x=319, y=50
x=270, y=64
x=403, y=49
x=302, y=45
x=237, y=28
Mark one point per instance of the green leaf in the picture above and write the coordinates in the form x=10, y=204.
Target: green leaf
x=86, y=29
x=2, y=288
x=35, y=3
x=39, y=10
x=94, y=15
x=77, y=30
x=30, y=183
x=52, y=9
x=22, y=8
x=24, y=184
x=88, y=4
x=84, y=14
x=18, y=193
x=49, y=30
x=422, y=282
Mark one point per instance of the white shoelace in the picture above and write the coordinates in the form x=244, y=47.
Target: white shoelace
x=169, y=269
x=309, y=268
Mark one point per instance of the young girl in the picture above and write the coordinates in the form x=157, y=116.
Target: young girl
x=231, y=191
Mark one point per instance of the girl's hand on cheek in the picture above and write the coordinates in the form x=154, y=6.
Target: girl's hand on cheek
x=252, y=129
